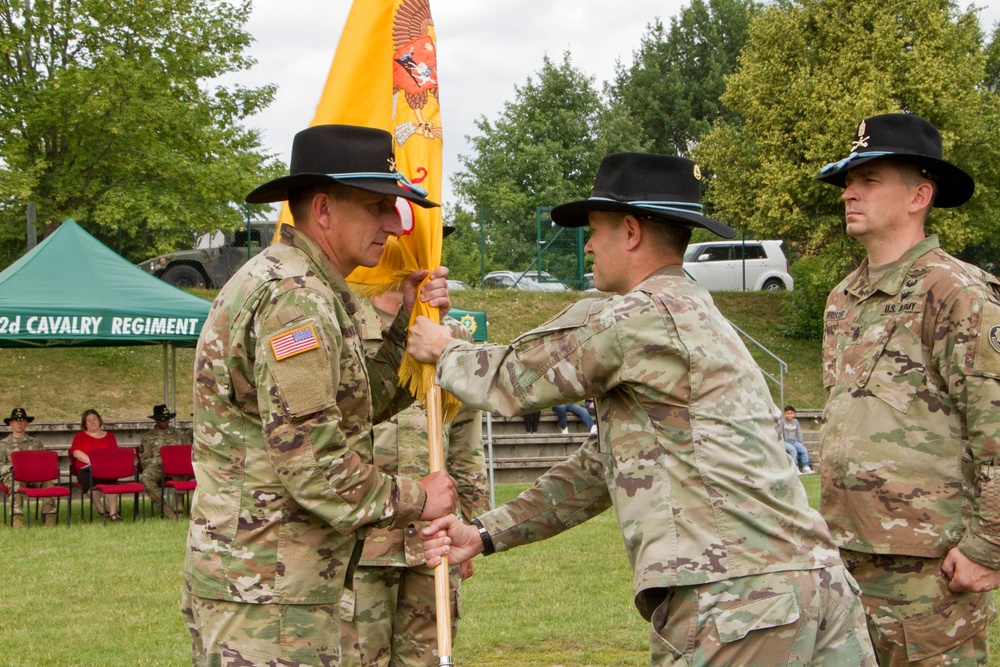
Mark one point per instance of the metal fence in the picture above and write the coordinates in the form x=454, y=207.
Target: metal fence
x=540, y=255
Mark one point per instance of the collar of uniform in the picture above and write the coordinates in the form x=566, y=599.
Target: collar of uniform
x=669, y=270
x=893, y=279
x=324, y=267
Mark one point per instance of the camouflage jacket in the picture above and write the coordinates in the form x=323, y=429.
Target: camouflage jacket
x=401, y=449
x=149, y=447
x=686, y=449
x=11, y=444
x=284, y=402
x=912, y=421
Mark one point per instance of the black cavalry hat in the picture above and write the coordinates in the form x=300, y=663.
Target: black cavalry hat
x=904, y=137
x=358, y=157
x=646, y=185
x=161, y=411
x=18, y=413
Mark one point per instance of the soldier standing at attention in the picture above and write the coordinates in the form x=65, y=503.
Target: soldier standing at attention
x=731, y=566
x=911, y=432
x=148, y=450
x=19, y=441
x=285, y=398
x=389, y=614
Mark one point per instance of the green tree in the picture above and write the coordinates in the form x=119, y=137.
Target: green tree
x=460, y=251
x=674, y=83
x=542, y=150
x=809, y=72
x=108, y=116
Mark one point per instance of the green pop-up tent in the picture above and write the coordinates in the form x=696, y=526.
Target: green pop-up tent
x=72, y=290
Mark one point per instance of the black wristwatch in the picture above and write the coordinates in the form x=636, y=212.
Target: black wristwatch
x=484, y=535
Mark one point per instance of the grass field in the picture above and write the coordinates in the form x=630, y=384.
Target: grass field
x=97, y=595
x=108, y=595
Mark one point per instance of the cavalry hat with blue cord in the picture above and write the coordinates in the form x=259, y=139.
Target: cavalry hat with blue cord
x=647, y=185
x=904, y=137
x=358, y=157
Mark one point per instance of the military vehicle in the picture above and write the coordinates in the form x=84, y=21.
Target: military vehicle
x=214, y=259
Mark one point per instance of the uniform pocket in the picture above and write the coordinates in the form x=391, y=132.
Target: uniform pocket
x=771, y=612
x=896, y=371
x=671, y=639
x=989, y=499
x=952, y=625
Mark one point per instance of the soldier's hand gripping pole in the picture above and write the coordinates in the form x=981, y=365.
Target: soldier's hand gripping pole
x=442, y=588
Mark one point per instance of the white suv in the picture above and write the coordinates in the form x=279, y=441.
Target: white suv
x=735, y=266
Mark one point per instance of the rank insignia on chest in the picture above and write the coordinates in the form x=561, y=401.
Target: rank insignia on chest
x=995, y=338
x=294, y=342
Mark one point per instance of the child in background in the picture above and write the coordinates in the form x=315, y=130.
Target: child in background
x=791, y=432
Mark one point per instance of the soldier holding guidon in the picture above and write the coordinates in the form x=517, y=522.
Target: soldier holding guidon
x=390, y=619
x=285, y=398
x=731, y=566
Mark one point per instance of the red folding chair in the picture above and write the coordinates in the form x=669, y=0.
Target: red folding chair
x=117, y=463
x=34, y=466
x=176, y=460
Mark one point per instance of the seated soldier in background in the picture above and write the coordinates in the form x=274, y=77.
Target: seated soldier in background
x=161, y=434
x=17, y=441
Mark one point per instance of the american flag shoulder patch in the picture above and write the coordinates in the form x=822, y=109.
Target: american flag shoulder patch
x=294, y=342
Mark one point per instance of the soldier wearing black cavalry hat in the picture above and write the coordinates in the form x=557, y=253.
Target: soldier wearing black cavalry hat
x=911, y=431
x=284, y=402
x=19, y=440
x=731, y=566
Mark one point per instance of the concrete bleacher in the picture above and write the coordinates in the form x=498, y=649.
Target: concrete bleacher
x=518, y=457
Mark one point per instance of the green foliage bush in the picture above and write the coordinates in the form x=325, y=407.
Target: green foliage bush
x=802, y=312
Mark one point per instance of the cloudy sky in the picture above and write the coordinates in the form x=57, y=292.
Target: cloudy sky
x=484, y=49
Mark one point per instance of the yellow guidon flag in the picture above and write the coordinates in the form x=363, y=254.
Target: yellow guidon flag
x=385, y=75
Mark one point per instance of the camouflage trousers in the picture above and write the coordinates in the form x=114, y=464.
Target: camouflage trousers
x=233, y=634
x=390, y=620
x=150, y=478
x=912, y=616
x=799, y=617
x=48, y=505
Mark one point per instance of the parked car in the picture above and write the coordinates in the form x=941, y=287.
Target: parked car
x=457, y=286
x=213, y=260
x=720, y=265
x=529, y=281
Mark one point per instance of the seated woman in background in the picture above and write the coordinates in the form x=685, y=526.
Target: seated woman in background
x=90, y=437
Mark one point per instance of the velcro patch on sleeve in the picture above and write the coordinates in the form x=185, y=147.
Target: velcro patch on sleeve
x=294, y=342
x=988, y=346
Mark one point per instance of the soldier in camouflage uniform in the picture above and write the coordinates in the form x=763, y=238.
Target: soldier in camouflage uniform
x=390, y=617
x=731, y=566
x=284, y=403
x=18, y=441
x=148, y=451
x=911, y=428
